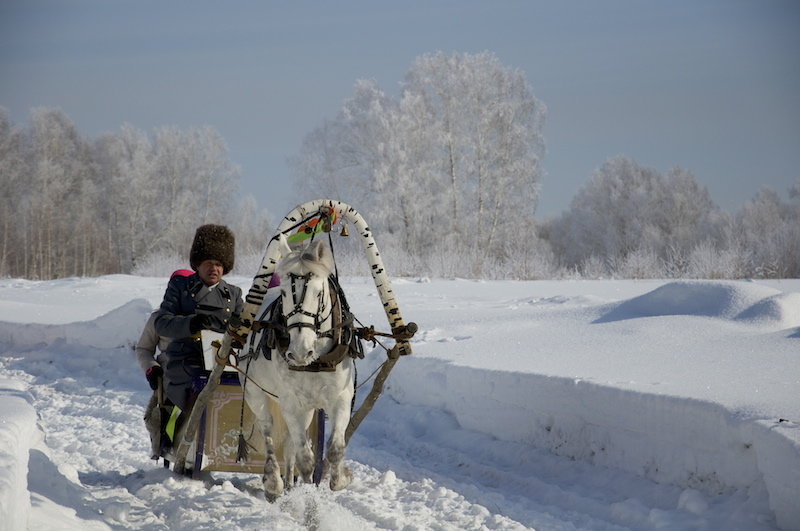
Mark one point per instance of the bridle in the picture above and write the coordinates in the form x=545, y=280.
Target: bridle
x=299, y=283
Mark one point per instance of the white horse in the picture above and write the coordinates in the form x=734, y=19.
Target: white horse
x=307, y=304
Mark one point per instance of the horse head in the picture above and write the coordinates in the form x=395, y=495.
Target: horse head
x=306, y=302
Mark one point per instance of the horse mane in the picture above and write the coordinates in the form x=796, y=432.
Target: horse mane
x=316, y=259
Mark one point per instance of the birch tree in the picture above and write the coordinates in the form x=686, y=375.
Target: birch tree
x=488, y=130
x=453, y=161
x=59, y=161
x=13, y=169
x=72, y=207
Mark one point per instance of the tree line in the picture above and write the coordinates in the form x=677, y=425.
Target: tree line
x=74, y=207
x=447, y=173
x=631, y=221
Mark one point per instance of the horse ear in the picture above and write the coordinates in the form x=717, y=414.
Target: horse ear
x=324, y=255
x=313, y=252
x=284, y=245
x=319, y=250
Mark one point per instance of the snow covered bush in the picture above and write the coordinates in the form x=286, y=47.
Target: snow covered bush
x=628, y=209
x=709, y=262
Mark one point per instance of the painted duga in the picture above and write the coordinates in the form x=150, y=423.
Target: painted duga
x=306, y=303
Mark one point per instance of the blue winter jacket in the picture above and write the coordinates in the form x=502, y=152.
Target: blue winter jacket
x=185, y=297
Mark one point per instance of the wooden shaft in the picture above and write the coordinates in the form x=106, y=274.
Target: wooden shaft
x=372, y=397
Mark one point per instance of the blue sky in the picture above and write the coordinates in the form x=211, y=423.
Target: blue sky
x=710, y=86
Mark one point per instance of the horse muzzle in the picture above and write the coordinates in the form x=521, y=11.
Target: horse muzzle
x=297, y=359
x=302, y=346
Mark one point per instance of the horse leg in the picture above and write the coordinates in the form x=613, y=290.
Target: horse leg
x=288, y=460
x=299, y=446
x=340, y=474
x=273, y=484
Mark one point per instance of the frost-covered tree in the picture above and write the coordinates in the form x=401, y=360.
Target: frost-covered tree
x=215, y=179
x=59, y=162
x=127, y=161
x=453, y=161
x=794, y=191
x=486, y=134
x=709, y=260
x=196, y=184
x=253, y=228
x=345, y=157
x=71, y=207
x=770, y=230
x=627, y=208
x=687, y=216
x=13, y=172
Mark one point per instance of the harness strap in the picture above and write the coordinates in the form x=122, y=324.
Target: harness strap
x=275, y=333
x=341, y=321
x=327, y=363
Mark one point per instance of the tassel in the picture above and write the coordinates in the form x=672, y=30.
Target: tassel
x=241, y=451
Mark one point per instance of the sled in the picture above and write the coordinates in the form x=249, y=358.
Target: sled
x=216, y=445
x=218, y=432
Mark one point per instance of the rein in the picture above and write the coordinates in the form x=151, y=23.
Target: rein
x=235, y=366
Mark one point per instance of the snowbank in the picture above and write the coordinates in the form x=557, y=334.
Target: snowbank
x=721, y=299
x=119, y=327
x=725, y=418
x=17, y=430
x=674, y=440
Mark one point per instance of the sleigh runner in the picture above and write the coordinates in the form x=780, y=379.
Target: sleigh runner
x=296, y=354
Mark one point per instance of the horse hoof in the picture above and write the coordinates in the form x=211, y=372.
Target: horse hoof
x=342, y=480
x=273, y=489
x=271, y=495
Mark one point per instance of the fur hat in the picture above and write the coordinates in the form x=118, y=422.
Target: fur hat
x=213, y=242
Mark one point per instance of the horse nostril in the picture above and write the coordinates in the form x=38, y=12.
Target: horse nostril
x=309, y=353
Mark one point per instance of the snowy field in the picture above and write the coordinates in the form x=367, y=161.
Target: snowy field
x=549, y=405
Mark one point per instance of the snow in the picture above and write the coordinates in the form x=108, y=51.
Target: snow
x=543, y=404
x=16, y=433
